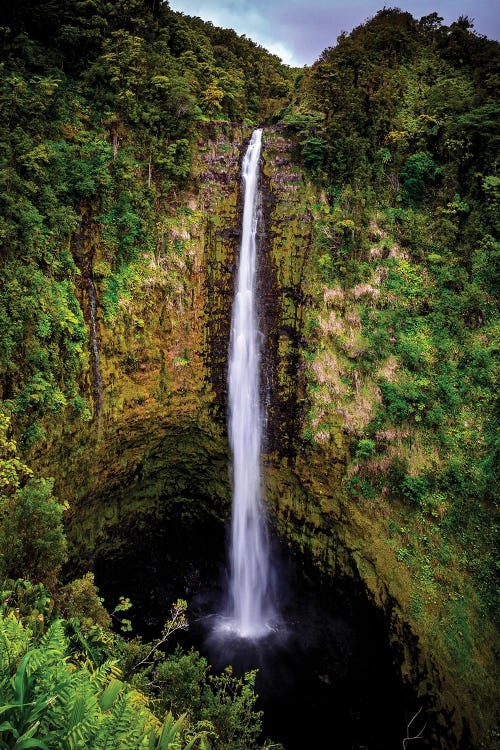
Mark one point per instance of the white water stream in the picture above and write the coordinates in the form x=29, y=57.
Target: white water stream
x=250, y=609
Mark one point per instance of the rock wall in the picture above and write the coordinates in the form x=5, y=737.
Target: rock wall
x=304, y=489
x=160, y=433
x=159, y=443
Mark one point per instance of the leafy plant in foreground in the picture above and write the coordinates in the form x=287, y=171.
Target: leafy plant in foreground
x=49, y=702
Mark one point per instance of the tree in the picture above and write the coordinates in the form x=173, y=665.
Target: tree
x=32, y=538
x=418, y=171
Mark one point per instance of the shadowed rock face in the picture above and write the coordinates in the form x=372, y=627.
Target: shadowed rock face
x=148, y=482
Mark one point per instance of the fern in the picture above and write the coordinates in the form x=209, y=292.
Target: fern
x=14, y=640
x=82, y=715
x=52, y=648
x=110, y=694
x=51, y=703
x=54, y=642
x=124, y=726
x=100, y=676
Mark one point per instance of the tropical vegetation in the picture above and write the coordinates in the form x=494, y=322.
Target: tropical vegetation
x=102, y=108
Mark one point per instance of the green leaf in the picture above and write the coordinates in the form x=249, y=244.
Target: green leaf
x=110, y=694
x=27, y=740
x=30, y=742
x=171, y=728
x=7, y=726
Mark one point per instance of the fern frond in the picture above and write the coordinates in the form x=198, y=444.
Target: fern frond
x=52, y=648
x=123, y=726
x=54, y=642
x=76, y=714
x=14, y=642
x=82, y=717
x=110, y=694
x=100, y=676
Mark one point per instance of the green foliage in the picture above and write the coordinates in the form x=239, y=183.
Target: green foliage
x=49, y=702
x=99, y=108
x=399, y=106
x=406, y=110
x=227, y=703
x=418, y=171
x=182, y=683
x=80, y=599
x=414, y=489
x=313, y=151
x=231, y=709
x=486, y=264
x=365, y=448
x=32, y=538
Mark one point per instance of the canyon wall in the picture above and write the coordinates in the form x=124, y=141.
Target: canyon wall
x=157, y=450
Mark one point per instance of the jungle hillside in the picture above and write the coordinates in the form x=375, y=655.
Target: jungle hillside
x=122, y=131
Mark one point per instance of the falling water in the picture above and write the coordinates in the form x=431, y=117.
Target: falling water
x=250, y=610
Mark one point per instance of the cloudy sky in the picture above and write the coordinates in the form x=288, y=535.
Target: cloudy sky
x=299, y=30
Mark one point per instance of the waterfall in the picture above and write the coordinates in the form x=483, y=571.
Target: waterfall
x=250, y=609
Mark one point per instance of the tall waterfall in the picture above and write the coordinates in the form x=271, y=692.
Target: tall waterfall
x=250, y=609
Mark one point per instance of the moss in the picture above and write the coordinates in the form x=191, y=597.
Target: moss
x=158, y=453
x=147, y=481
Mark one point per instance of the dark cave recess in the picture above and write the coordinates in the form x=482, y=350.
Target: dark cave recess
x=327, y=672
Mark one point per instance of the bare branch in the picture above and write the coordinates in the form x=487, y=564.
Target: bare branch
x=418, y=736
x=178, y=621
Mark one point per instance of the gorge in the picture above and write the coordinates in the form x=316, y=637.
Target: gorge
x=122, y=211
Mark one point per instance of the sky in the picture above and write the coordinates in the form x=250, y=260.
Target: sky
x=299, y=30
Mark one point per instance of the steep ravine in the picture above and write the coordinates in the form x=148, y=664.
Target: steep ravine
x=155, y=465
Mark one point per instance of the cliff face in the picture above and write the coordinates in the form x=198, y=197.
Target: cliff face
x=155, y=456
x=160, y=430
x=304, y=482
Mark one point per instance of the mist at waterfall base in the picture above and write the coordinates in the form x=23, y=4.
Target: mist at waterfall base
x=326, y=669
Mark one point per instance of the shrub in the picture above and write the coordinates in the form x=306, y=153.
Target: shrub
x=313, y=152
x=32, y=537
x=419, y=171
x=414, y=488
x=365, y=448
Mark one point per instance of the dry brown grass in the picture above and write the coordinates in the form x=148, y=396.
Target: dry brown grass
x=388, y=369
x=333, y=297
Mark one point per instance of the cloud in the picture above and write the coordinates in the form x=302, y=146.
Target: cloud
x=255, y=20
x=299, y=30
